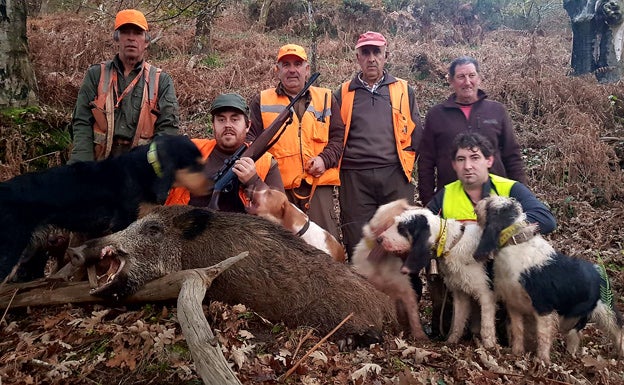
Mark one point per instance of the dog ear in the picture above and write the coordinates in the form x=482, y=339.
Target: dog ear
x=498, y=217
x=417, y=229
x=173, y=153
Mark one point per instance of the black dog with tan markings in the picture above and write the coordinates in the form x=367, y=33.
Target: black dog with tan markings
x=93, y=197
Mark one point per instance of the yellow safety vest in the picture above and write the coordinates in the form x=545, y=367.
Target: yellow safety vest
x=457, y=205
x=402, y=120
x=303, y=139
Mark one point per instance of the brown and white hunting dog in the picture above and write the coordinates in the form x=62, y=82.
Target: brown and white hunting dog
x=383, y=268
x=533, y=279
x=416, y=232
x=274, y=206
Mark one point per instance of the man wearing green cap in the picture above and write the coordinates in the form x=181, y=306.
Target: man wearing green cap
x=309, y=151
x=123, y=102
x=230, y=123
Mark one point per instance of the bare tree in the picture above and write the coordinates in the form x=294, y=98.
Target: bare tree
x=17, y=79
x=206, y=11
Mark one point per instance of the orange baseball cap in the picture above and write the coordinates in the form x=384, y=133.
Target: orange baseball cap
x=292, y=49
x=131, y=16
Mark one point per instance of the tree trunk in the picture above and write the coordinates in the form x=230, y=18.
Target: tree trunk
x=264, y=14
x=203, y=27
x=17, y=79
x=583, y=42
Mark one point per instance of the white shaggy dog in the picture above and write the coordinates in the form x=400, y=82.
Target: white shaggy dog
x=417, y=232
x=531, y=278
x=383, y=269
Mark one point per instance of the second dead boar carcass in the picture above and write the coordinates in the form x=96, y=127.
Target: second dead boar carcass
x=283, y=278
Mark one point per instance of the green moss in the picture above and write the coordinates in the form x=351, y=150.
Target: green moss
x=46, y=139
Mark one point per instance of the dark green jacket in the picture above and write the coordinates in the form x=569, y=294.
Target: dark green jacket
x=127, y=115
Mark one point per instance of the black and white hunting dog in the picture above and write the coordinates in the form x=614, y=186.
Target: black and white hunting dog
x=417, y=232
x=531, y=278
x=93, y=197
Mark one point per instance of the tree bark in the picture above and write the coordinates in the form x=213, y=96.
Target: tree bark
x=203, y=27
x=17, y=79
x=264, y=14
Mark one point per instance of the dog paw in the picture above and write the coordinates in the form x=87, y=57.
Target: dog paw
x=489, y=343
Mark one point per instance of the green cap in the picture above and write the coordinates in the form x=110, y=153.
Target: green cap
x=229, y=101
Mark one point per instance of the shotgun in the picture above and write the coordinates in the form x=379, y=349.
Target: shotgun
x=225, y=180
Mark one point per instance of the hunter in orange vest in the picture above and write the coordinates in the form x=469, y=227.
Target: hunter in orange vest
x=382, y=134
x=309, y=150
x=230, y=123
x=123, y=102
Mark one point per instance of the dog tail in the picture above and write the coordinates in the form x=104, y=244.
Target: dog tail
x=609, y=320
x=606, y=315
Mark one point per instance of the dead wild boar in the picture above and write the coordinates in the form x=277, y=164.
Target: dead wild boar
x=283, y=278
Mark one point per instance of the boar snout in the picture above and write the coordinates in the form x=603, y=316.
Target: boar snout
x=76, y=255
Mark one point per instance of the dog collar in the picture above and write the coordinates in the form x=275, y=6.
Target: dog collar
x=516, y=233
x=304, y=228
x=152, y=158
x=443, y=236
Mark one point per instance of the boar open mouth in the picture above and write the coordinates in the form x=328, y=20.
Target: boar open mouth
x=107, y=268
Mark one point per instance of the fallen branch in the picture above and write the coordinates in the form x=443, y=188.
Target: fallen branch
x=296, y=365
x=189, y=286
x=44, y=292
x=207, y=355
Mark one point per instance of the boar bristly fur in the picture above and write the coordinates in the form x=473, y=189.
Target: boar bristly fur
x=283, y=278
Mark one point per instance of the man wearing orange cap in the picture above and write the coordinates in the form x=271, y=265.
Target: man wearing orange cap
x=309, y=150
x=382, y=133
x=123, y=102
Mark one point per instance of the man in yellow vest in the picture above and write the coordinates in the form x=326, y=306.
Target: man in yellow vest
x=123, y=102
x=309, y=150
x=230, y=123
x=382, y=133
x=472, y=157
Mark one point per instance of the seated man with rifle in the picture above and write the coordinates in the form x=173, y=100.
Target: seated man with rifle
x=226, y=159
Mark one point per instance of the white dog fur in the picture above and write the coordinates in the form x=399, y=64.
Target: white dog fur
x=417, y=231
x=274, y=206
x=531, y=275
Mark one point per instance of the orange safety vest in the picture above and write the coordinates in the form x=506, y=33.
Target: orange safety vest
x=103, y=108
x=303, y=139
x=181, y=196
x=401, y=119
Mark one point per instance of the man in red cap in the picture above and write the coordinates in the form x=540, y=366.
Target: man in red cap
x=309, y=150
x=123, y=102
x=382, y=133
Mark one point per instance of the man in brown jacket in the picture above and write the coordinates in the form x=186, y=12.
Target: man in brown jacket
x=467, y=109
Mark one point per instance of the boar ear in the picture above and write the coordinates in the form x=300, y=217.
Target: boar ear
x=419, y=254
x=193, y=223
x=497, y=219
